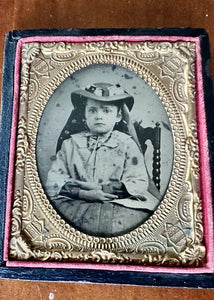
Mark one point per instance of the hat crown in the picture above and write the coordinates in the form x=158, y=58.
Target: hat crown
x=105, y=90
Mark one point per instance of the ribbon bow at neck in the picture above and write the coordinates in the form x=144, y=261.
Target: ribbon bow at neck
x=95, y=142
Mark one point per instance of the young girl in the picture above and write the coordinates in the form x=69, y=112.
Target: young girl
x=98, y=182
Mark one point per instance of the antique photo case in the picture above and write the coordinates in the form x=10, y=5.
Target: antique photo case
x=108, y=165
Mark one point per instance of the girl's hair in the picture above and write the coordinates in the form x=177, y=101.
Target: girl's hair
x=74, y=125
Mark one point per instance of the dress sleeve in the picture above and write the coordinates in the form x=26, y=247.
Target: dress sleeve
x=135, y=177
x=58, y=175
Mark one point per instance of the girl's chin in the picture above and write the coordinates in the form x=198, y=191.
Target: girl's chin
x=102, y=132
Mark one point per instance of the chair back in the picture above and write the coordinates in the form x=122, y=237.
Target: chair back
x=154, y=135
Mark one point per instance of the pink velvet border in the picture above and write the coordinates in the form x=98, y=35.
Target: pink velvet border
x=204, y=159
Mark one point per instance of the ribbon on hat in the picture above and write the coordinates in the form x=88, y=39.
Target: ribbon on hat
x=105, y=90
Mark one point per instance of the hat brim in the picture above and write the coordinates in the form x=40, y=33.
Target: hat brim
x=79, y=96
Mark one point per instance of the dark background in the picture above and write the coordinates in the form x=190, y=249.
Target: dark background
x=32, y=14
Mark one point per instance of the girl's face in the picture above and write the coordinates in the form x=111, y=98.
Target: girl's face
x=101, y=117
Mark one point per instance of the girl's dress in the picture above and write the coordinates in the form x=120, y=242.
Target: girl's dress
x=115, y=158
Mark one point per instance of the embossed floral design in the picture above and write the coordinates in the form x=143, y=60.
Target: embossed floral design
x=29, y=52
x=22, y=145
x=19, y=248
x=108, y=46
x=193, y=148
x=59, y=241
x=16, y=214
x=194, y=256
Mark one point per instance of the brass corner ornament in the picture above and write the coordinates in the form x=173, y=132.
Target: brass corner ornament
x=173, y=233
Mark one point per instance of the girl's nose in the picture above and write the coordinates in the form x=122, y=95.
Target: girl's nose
x=99, y=114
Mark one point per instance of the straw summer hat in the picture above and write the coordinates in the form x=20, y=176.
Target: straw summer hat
x=104, y=92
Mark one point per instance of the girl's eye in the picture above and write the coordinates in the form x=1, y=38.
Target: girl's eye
x=106, y=110
x=92, y=110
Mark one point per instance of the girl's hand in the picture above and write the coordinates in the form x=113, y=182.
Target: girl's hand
x=88, y=185
x=96, y=195
x=117, y=188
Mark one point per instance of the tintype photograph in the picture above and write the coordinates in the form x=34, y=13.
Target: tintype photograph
x=104, y=150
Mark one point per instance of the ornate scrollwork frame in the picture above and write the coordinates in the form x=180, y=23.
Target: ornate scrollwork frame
x=37, y=231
